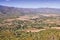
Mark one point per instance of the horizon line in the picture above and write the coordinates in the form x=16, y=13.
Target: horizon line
x=28, y=7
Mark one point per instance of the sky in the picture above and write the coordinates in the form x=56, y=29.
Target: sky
x=31, y=3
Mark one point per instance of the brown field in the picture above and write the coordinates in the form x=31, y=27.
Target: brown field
x=22, y=18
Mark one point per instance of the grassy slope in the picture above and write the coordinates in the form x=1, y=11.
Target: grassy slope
x=51, y=34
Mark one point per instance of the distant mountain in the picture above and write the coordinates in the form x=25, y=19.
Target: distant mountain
x=6, y=11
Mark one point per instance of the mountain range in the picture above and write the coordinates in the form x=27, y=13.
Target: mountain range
x=6, y=11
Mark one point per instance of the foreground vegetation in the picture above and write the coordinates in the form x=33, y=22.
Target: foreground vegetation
x=50, y=34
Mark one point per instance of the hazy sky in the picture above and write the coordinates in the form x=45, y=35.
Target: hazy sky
x=31, y=3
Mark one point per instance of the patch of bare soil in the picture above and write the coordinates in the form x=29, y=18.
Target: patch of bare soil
x=38, y=30
x=49, y=15
x=55, y=27
x=9, y=20
x=21, y=18
x=33, y=30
